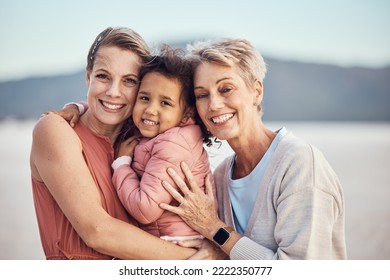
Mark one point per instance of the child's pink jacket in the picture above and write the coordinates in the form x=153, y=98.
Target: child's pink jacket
x=139, y=186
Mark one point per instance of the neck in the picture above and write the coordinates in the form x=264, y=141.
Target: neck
x=101, y=129
x=250, y=150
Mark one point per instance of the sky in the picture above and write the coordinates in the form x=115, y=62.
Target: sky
x=50, y=37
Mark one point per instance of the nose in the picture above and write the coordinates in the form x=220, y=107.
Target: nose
x=151, y=109
x=114, y=90
x=216, y=102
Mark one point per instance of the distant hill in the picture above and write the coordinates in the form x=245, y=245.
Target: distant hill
x=29, y=98
x=292, y=91
x=302, y=91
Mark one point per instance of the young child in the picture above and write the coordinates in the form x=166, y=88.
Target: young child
x=164, y=114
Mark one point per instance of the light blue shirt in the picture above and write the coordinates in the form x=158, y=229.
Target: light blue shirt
x=243, y=191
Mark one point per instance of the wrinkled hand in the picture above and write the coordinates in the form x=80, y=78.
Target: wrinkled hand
x=206, y=250
x=70, y=113
x=127, y=147
x=196, y=208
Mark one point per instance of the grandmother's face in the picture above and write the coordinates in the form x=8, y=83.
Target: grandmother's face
x=224, y=102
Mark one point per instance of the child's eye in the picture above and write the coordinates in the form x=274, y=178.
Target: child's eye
x=143, y=98
x=165, y=103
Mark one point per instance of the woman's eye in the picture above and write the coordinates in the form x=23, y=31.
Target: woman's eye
x=143, y=98
x=132, y=81
x=200, y=95
x=226, y=90
x=101, y=76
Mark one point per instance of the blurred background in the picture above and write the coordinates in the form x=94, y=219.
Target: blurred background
x=328, y=81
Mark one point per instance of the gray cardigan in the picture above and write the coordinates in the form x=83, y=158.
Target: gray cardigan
x=299, y=211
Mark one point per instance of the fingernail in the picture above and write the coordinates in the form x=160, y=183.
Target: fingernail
x=169, y=170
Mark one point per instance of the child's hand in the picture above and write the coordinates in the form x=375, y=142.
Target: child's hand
x=70, y=113
x=127, y=147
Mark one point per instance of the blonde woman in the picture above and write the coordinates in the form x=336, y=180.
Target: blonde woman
x=278, y=196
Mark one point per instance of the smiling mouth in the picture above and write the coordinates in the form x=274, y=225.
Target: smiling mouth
x=112, y=106
x=148, y=122
x=222, y=118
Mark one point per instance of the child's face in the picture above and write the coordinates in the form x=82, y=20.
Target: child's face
x=158, y=106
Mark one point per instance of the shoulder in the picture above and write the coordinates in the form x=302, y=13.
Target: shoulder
x=53, y=130
x=302, y=166
x=52, y=135
x=185, y=136
x=51, y=123
x=299, y=153
x=292, y=148
x=174, y=145
x=188, y=131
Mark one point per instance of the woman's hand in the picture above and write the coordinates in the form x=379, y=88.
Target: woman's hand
x=206, y=250
x=196, y=208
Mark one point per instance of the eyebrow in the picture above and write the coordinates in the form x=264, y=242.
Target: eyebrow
x=165, y=97
x=101, y=69
x=217, y=82
x=132, y=75
x=168, y=98
x=101, y=59
x=126, y=75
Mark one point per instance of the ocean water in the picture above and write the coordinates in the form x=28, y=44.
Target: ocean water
x=358, y=152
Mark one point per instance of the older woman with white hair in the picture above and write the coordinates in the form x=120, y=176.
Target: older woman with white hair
x=278, y=196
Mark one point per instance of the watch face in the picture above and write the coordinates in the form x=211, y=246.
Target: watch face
x=221, y=236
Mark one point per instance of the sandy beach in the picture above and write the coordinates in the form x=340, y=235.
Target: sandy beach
x=359, y=153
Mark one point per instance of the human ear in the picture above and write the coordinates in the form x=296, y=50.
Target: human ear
x=87, y=77
x=258, y=93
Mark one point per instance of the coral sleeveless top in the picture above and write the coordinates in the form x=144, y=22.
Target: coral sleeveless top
x=58, y=237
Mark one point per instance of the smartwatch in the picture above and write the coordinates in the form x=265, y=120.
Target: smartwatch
x=222, y=235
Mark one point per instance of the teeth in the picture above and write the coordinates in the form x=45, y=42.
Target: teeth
x=112, y=106
x=149, y=122
x=222, y=118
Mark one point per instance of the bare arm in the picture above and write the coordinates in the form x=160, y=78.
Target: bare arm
x=79, y=199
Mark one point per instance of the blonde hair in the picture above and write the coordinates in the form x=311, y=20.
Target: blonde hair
x=121, y=37
x=238, y=53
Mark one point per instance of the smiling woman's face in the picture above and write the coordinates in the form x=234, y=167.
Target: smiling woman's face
x=113, y=85
x=224, y=102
